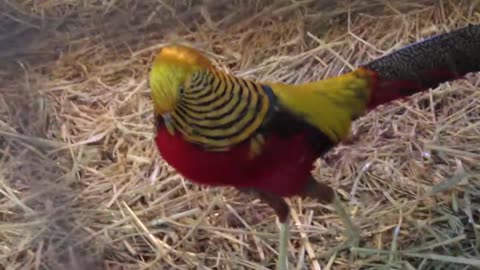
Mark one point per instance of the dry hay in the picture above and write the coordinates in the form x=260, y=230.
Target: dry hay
x=83, y=187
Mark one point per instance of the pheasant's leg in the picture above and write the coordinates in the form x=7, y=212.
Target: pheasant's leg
x=353, y=235
x=282, y=210
x=282, y=263
x=326, y=194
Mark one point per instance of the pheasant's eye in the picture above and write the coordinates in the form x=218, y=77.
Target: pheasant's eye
x=181, y=90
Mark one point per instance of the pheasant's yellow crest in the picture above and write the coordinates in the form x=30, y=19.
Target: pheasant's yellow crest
x=170, y=72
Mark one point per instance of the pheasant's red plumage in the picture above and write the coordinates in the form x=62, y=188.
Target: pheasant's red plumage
x=282, y=168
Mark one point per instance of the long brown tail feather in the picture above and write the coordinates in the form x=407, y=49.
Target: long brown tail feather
x=425, y=64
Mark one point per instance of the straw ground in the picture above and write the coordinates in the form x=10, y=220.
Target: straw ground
x=83, y=187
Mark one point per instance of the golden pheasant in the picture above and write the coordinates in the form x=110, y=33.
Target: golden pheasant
x=216, y=129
